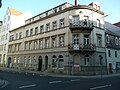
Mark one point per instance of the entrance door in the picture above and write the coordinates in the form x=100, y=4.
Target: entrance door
x=46, y=62
x=9, y=62
x=40, y=63
x=110, y=67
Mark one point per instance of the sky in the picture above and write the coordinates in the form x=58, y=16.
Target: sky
x=109, y=7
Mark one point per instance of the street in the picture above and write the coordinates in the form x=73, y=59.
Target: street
x=28, y=81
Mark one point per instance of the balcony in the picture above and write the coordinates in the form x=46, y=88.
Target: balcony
x=81, y=25
x=82, y=47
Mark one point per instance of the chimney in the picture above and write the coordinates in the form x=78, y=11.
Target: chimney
x=75, y=2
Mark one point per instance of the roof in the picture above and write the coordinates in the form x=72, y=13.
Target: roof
x=14, y=12
x=117, y=24
x=112, y=28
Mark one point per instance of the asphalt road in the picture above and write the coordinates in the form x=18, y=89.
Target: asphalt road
x=27, y=81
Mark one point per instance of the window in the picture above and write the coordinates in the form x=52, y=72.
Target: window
x=46, y=13
x=107, y=38
x=46, y=42
x=31, y=31
x=26, y=45
x=55, y=10
x=99, y=41
x=86, y=59
x=61, y=41
x=86, y=20
x=109, y=53
x=60, y=8
x=76, y=39
x=119, y=41
x=115, y=53
x=41, y=28
x=29, y=61
x=86, y=39
x=36, y=30
x=35, y=44
x=75, y=20
x=16, y=35
x=62, y=22
x=54, y=62
x=53, y=41
x=20, y=35
x=116, y=40
x=98, y=23
x=61, y=62
x=27, y=31
x=48, y=27
x=54, y=25
x=25, y=61
x=41, y=43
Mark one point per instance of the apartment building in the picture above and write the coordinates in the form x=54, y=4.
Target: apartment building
x=12, y=20
x=112, y=47
x=67, y=39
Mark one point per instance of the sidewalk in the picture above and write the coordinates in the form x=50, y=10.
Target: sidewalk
x=56, y=75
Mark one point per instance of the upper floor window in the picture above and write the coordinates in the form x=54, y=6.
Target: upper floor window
x=36, y=30
x=86, y=39
x=54, y=42
x=119, y=41
x=76, y=20
x=41, y=28
x=47, y=42
x=55, y=10
x=27, y=33
x=31, y=31
x=99, y=41
x=48, y=27
x=46, y=13
x=86, y=20
x=76, y=39
x=16, y=35
x=61, y=41
x=109, y=53
x=62, y=22
x=107, y=38
x=40, y=43
x=20, y=35
x=98, y=23
x=116, y=40
x=60, y=8
x=54, y=25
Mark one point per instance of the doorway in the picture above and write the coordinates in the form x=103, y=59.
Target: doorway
x=46, y=62
x=40, y=63
x=9, y=62
x=110, y=67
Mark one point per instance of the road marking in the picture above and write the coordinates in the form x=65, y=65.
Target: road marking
x=75, y=80
x=55, y=82
x=27, y=86
x=104, y=86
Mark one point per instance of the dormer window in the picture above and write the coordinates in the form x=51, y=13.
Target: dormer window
x=46, y=13
x=119, y=41
x=60, y=8
x=116, y=40
x=55, y=10
x=107, y=39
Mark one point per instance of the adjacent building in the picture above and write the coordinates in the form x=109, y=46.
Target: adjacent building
x=67, y=39
x=12, y=20
x=112, y=34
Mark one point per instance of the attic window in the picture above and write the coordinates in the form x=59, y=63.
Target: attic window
x=107, y=39
x=116, y=40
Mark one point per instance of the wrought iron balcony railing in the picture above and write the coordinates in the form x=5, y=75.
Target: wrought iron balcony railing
x=81, y=24
x=82, y=47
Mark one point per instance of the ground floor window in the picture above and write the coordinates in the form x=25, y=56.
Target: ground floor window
x=60, y=62
x=86, y=59
x=54, y=62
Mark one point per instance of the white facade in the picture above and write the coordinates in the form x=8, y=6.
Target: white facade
x=66, y=39
x=12, y=20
